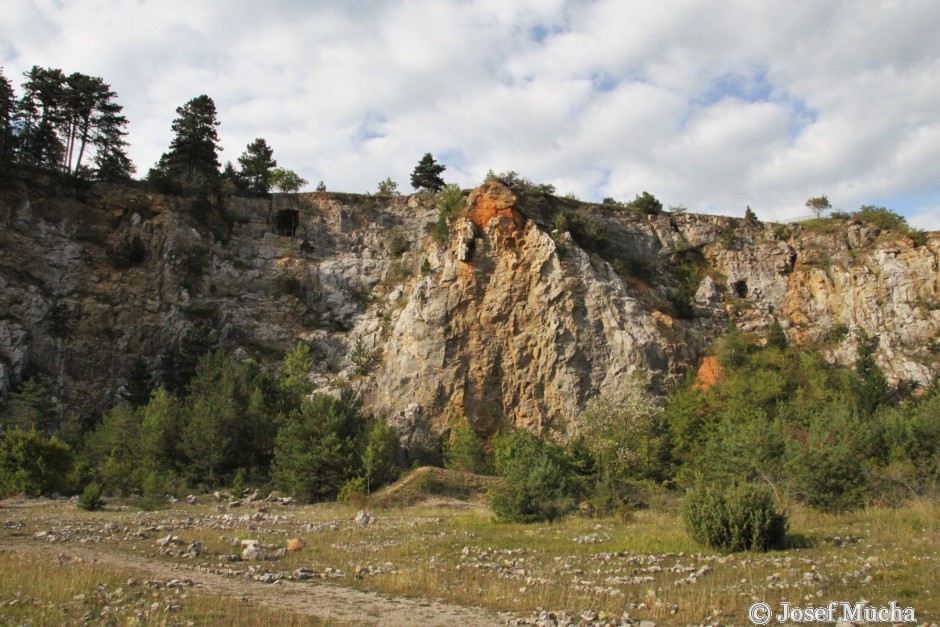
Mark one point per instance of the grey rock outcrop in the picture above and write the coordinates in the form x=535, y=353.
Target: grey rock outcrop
x=511, y=319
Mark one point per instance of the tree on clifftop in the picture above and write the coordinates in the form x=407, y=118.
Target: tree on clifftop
x=818, y=205
x=427, y=174
x=193, y=154
x=287, y=181
x=257, y=163
x=7, y=113
x=39, y=114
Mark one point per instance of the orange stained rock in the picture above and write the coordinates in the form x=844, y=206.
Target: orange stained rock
x=490, y=200
x=708, y=373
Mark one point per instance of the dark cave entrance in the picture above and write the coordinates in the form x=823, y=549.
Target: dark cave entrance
x=740, y=288
x=287, y=222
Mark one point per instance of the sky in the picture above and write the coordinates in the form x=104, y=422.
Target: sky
x=710, y=105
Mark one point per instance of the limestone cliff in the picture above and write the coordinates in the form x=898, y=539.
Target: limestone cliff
x=512, y=317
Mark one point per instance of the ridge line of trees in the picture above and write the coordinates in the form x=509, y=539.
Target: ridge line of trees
x=59, y=119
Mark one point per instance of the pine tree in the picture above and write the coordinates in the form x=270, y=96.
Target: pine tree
x=257, y=165
x=39, y=114
x=7, y=116
x=427, y=174
x=776, y=338
x=871, y=387
x=80, y=99
x=318, y=448
x=107, y=135
x=379, y=460
x=137, y=388
x=193, y=155
x=32, y=408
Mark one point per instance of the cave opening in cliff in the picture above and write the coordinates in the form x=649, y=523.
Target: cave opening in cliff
x=740, y=288
x=287, y=222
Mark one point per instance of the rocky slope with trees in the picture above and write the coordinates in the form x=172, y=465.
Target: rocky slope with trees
x=528, y=307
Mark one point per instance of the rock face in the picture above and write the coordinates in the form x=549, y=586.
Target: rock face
x=520, y=330
x=510, y=320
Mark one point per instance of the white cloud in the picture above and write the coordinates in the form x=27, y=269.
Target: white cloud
x=926, y=219
x=711, y=104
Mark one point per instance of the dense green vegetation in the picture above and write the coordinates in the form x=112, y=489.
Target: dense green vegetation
x=780, y=426
x=221, y=423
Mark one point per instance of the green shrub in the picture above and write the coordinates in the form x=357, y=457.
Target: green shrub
x=740, y=518
x=398, y=245
x=380, y=457
x=465, y=451
x=776, y=338
x=130, y=251
x=450, y=202
x=912, y=438
x=635, y=266
x=90, y=500
x=682, y=305
x=239, y=483
x=838, y=332
x=588, y=232
x=318, y=448
x=288, y=283
x=193, y=260
x=881, y=217
x=646, y=203
x=361, y=357
x=540, y=480
x=353, y=491
x=388, y=187
x=33, y=464
x=829, y=477
x=535, y=492
x=918, y=237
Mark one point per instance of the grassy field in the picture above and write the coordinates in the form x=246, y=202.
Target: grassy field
x=452, y=553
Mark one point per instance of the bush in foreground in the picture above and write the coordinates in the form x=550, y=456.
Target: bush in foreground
x=90, y=500
x=540, y=480
x=740, y=518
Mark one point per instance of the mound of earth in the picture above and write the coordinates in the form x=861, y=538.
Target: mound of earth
x=437, y=485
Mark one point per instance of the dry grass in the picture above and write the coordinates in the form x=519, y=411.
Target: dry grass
x=429, y=483
x=462, y=556
x=67, y=591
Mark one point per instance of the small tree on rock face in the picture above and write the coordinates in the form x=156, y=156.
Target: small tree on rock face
x=819, y=205
x=427, y=174
x=776, y=338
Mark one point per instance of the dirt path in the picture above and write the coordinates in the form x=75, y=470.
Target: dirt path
x=325, y=601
